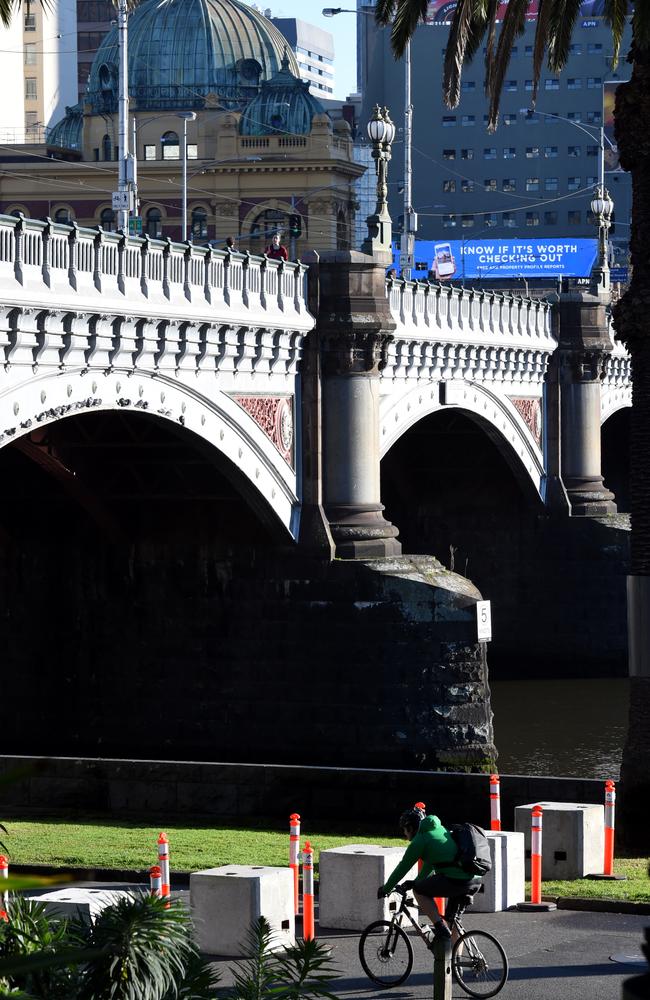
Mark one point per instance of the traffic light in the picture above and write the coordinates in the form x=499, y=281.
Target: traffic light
x=295, y=226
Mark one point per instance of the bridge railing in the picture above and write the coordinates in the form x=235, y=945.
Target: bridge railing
x=49, y=259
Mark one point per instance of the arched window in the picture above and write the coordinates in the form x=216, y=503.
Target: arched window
x=107, y=220
x=268, y=223
x=170, y=147
x=153, y=225
x=199, y=224
x=63, y=215
x=107, y=153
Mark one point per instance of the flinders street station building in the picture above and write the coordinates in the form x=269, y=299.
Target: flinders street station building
x=214, y=77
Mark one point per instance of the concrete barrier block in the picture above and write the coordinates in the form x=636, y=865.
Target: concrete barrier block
x=226, y=901
x=504, y=884
x=79, y=903
x=349, y=879
x=573, y=838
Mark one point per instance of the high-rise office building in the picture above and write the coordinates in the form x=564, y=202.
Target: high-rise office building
x=535, y=175
x=314, y=49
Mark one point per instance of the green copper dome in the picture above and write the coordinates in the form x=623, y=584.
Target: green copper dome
x=182, y=50
x=284, y=104
x=68, y=132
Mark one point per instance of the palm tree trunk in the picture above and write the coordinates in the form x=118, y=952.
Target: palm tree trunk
x=632, y=324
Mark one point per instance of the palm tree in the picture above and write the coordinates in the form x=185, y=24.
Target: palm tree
x=474, y=21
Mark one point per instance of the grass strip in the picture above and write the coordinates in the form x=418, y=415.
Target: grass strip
x=95, y=843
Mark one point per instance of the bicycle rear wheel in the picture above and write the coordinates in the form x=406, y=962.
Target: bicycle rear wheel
x=479, y=964
x=386, y=953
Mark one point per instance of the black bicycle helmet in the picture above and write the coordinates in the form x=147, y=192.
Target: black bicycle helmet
x=412, y=817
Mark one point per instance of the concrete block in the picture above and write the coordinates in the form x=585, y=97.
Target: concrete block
x=349, y=879
x=226, y=901
x=83, y=903
x=504, y=885
x=573, y=838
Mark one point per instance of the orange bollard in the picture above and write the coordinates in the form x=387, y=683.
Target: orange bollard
x=308, y=926
x=495, y=802
x=155, y=881
x=294, y=857
x=163, y=860
x=4, y=873
x=610, y=802
x=536, y=855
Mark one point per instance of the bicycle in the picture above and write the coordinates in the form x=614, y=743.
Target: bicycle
x=478, y=962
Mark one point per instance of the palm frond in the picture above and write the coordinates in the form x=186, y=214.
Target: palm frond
x=384, y=11
x=255, y=976
x=305, y=971
x=641, y=26
x=463, y=27
x=615, y=13
x=513, y=26
x=561, y=22
x=491, y=20
x=408, y=15
x=541, y=41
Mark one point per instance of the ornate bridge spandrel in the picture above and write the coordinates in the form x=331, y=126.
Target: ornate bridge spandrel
x=274, y=414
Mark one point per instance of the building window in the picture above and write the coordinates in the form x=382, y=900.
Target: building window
x=467, y=85
x=150, y=152
x=594, y=82
x=30, y=21
x=532, y=218
x=448, y=221
x=532, y=183
x=31, y=126
x=552, y=84
x=30, y=88
x=199, y=224
x=448, y=121
x=508, y=220
x=490, y=219
x=449, y=187
x=467, y=221
x=594, y=47
x=63, y=216
x=508, y=184
x=575, y=49
x=490, y=153
x=466, y=186
x=449, y=154
x=550, y=218
x=550, y=152
x=490, y=184
x=468, y=120
x=594, y=117
x=192, y=151
x=107, y=149
x=510, y=119
x=592, y=150
x=153, y=223
x=510, y=85
x=509, y=152
x=574, y=116
x=552, y=184
x=268, y=223
x=532, y=152
x=107, y=220
x=574, y=218
x=593, y=180
x=170, y=147
x=574, y=150
x=30, y=54
x=573, y=184
x=574, y=83
x=531, y=118
x=467, y=154
x=528, y=84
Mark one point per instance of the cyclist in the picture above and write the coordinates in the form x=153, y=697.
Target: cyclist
x=433, y=844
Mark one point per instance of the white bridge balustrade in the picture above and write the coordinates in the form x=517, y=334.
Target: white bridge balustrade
x=210, y=340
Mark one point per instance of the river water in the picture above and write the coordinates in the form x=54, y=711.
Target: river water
x=568, y=728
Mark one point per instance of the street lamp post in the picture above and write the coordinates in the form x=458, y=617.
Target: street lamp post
x=381, y=132
x=186, y=116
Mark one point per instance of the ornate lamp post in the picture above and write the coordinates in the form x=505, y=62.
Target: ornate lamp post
x=381, y=132
x=602, y=208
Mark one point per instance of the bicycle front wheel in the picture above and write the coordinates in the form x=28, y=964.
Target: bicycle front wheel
x=386, y=953
x=479, y=964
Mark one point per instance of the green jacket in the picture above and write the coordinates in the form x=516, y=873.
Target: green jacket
x=435, y=847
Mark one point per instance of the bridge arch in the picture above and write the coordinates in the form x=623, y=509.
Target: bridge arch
x=497, y=414
x=221, y=422
x=612, y=399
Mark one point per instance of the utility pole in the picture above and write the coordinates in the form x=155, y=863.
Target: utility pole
x=123, y=197
x=407, y=243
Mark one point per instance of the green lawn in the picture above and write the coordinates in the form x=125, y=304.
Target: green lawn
x=98, y=844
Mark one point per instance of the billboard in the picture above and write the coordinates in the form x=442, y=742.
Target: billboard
x=442, y=11
x=611, y=151
x=517, y=258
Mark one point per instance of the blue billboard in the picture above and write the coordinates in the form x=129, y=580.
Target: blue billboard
x=486, y=259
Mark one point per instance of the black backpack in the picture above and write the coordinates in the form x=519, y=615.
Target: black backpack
x=473, y=855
